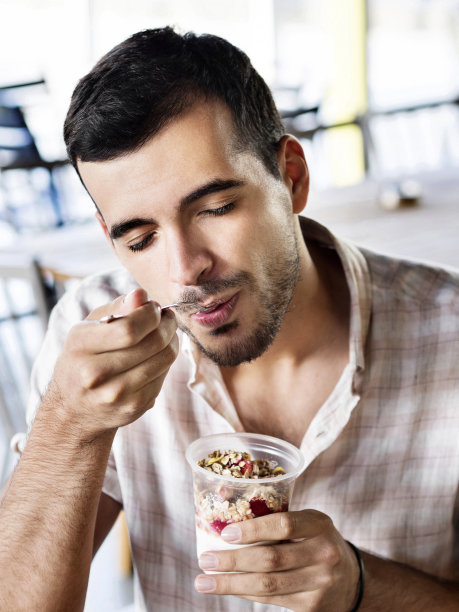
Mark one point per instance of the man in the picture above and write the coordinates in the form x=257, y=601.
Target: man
x=346, y=354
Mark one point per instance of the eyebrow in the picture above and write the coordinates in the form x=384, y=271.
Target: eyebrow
x=214, y=186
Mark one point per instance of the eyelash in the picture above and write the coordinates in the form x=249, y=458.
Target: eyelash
x=139, y=246
x=219, y=211
x=215, y=212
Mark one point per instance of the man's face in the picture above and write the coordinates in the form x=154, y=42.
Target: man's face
x=194, y=220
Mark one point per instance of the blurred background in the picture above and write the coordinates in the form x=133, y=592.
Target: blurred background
x=371, y=89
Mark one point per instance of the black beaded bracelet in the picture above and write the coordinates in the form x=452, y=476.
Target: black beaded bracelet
x=362, y=576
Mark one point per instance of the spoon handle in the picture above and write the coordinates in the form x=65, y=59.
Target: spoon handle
x=111, y=317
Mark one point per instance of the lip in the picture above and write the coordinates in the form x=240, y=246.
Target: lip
x=219, y=315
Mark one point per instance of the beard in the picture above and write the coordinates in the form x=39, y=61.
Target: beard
x=273, y=300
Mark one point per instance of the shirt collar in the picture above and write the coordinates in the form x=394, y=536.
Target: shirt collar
x=358, y=280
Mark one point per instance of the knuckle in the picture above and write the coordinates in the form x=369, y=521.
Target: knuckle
x=91, y=376
x=172, y=351
x=224, y=585
x=132, y=409
x=287, y=525
x=315, y=601
x=331, y=554
x=323, y=522
x=230, y=561
x=272, y=558
x=128, y=333
x=328, y=579
x=268, y=584
x=168, y=319
x=113, y=394
x=147, y=396
x=327, y=523
x=251, y=530
x=169, y=353
x=175, y=346
x=145, y=375
x=161, y=338
x=169, y=330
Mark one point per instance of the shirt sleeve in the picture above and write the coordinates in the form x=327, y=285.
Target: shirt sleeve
x=111, y=484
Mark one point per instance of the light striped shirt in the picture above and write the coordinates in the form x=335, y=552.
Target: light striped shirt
x=382, y=452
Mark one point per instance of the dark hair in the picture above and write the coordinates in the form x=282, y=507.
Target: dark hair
x=154, y=76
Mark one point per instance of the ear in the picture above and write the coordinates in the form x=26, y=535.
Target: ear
x=105, y=230
x=294, y=171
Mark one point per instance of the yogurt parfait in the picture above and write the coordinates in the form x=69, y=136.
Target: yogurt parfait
x=238, y=477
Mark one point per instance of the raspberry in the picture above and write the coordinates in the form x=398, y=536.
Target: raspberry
x=218, y=525
x=259, y=507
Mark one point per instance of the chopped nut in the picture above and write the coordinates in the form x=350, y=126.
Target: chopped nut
x=240, y=465
x=214, y=459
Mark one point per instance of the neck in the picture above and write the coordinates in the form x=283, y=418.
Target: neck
x=302, y=366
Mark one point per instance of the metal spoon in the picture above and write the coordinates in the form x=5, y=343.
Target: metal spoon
x=111, y=317
x=192, y=304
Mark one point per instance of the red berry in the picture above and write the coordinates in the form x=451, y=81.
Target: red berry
x=259, y=507
x=218, y=525
x=247, y=467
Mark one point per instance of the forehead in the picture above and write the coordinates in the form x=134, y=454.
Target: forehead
x=196, y=147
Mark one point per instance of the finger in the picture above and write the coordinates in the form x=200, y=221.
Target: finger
x=116, y=415
x=262, y=584
x=152, y=344
x=120, y=390
x=101, y=367
x=319, y=550
x=139, y=402
x=139, y=364
x=293, y=601
x=132, y=301
x=266, y=558
x=278, y=526
x=93, y=337
x=131, y=329
x=122, y=305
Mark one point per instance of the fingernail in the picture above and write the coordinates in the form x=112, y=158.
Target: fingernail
x=205, y=584
x=207, y=561
x=232, y=533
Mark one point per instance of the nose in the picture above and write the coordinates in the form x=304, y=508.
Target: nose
x=188, y=257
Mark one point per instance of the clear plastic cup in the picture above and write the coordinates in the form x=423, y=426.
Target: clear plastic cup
x=221, y=500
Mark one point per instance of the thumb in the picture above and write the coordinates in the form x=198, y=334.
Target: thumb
x=123, y=305
x=132, y=300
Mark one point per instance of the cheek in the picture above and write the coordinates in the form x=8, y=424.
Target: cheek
x=236, y=236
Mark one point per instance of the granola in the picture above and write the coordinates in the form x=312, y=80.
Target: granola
x=221, y=505
x=240, y=465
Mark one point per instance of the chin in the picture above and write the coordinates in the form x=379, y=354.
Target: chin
x=230, y=349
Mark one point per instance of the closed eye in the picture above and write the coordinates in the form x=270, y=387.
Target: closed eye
x=215, y=212
x=222, y=210
x=142, y=244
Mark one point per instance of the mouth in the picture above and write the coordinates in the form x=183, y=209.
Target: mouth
x=219, y=312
